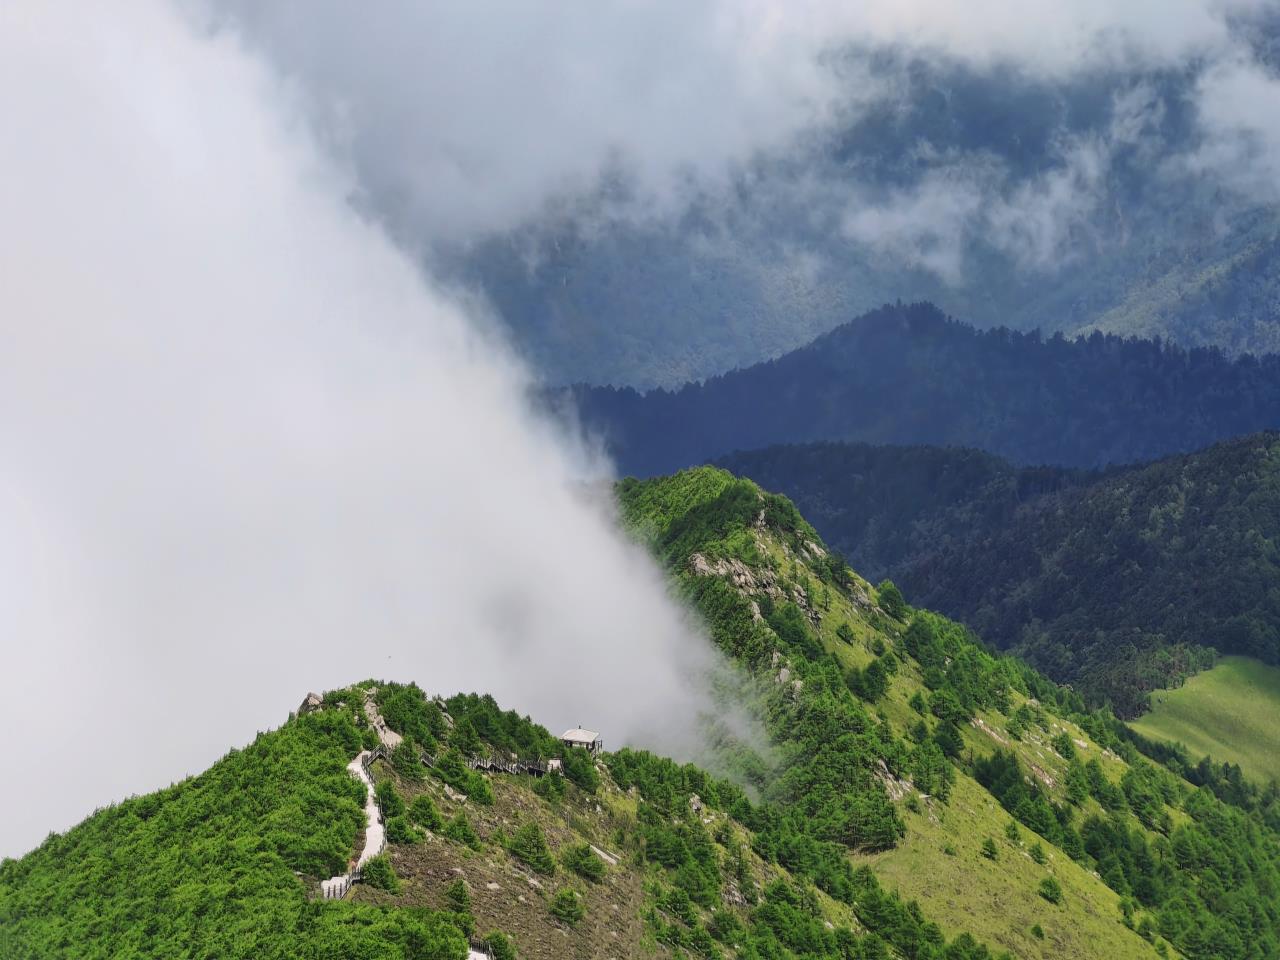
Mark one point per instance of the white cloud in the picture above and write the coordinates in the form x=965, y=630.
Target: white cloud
x=1239, y=104
x=464, y=120
x=472, y=118
x=245, y=451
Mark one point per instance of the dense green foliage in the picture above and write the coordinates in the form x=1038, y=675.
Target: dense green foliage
x=529, y=844
x=909, y=375
x=567, y=906
x=452, y=769
x=874, y=709
x=500, y=946
x=1115, y=582
x=583, y=862
x=460, y=830
x=407, y=711
x=498, y=729
x=424, y=812
x=785, y=920
x=379, y=874
x=206, y=867
x=827, y=798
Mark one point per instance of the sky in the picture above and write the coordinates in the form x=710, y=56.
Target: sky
x=250, y=447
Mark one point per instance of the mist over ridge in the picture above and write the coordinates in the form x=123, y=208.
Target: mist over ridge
x=248, y=451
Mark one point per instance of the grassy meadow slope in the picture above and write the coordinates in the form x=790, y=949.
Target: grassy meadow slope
x=1230, y=713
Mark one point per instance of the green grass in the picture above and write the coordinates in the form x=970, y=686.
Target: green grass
x=1231, y=713
x=940, y=863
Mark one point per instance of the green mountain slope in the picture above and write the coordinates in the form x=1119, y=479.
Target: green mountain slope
x=920, y=798
x=1231, y=713
x=1016, y=746
x=1116, y=582
x=1224, y=297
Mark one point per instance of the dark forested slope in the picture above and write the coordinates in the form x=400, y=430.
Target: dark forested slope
x=910, y=375
x=1112, y=581
x=888, y=507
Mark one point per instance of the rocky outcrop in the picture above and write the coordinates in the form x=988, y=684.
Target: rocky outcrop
x=989, y=731
x=752, y=582
x=896, y=787
x=386, y=736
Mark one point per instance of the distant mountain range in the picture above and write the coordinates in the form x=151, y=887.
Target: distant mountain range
x=1134, y=246
x=1115, y=581
x=912, y=375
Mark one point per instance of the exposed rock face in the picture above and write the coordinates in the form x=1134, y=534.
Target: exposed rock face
x=608, y=858
x=1043, y=776
x=310, y=703
x=733, y=896
x=814, y=549
x=896, y=787
x=738, y=573
x=989, y=730
x=388, y=737
x=750, y=582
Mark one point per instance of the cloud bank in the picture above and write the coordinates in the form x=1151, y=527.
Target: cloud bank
x=468, y=120
x=246, y=451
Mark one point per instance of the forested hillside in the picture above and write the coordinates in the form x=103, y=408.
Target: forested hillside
x=886, y=507
x=946, y=727
x=912, y=781
x=1114, y=582
x=910, y=375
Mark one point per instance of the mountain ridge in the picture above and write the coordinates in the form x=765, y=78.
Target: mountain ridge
x=1122, y=581
x=901, y=747
x=908, y=374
